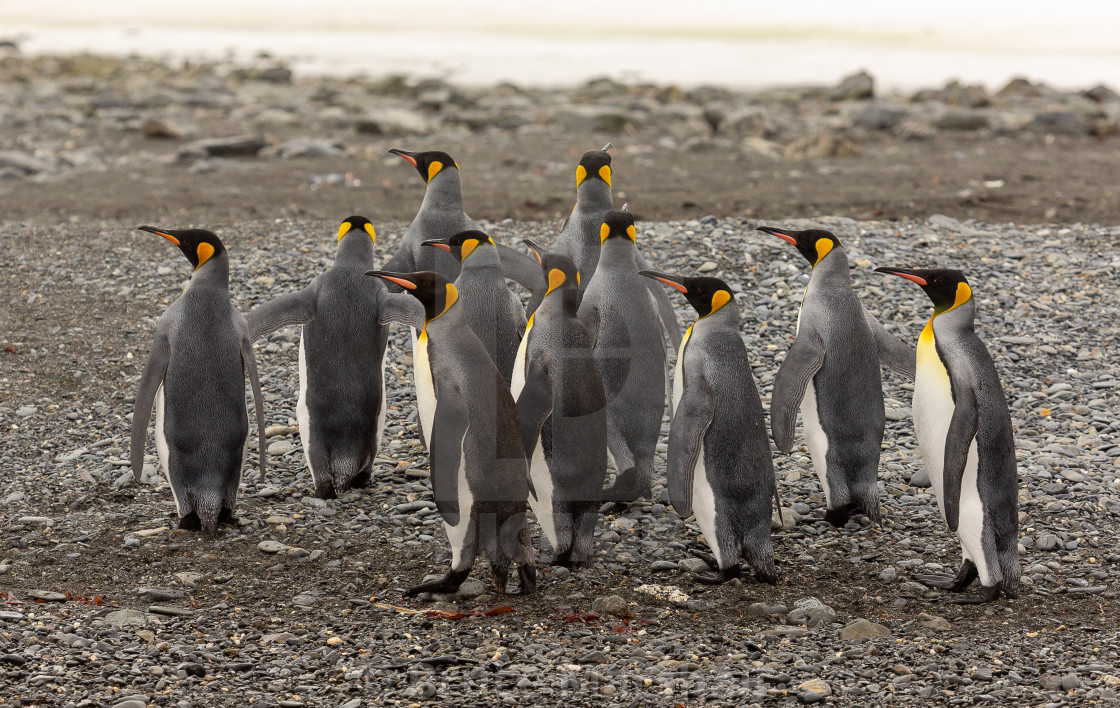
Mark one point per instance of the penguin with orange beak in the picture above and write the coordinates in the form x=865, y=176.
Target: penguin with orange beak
x=195, y=379
x=719, y=464
x=964, y=431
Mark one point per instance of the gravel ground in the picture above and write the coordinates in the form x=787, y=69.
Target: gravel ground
x=301, y=604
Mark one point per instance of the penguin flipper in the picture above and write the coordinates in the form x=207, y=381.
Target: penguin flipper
x=449, y=426
x=520, y=268
x=801, y=364
x=892, y=352
x=588, y=315
x=150, y=381
x=534, y=405
x=291, y=309
x=399, y=307
x=962, y=429
x=686, y=434
x=664, y=308
x=250, y=363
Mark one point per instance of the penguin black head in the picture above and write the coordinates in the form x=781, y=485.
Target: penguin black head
x=595, y=164
x=198, y=245
x=618, y=224
x=434, y=291
x=428, y=164
x=461, y=244
x=946, y=287
x=357, y=223
x=560, y=272
x=707, y=295
x=814, y=244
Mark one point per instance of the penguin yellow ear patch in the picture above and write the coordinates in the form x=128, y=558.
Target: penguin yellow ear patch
x=605, y=174
x=434, y=168
x=604, y=231
x=372, y=234
x=577, y=278
x=824, y=245
x=556, y=278
x=468, y=247
x=204, y=252
x=581, y=174
x=964, y=294
x=721, y=298
x=451, y=295
x=632, y=233
x=344, y=229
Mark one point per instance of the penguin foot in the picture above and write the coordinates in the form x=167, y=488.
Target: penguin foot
x=325, y=490
x=626, y=488
x=527, y=574
x=190, y=522
x=707, y=558
x=360, y=480
x=838, y=516
x=987, y=594
x=225, y=516
x=957, y=583
x=446, y=585
x=722, y=576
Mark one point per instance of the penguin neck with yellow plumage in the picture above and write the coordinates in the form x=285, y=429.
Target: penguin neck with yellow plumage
x=593, y=182
x=356, y=238
x=205, y=252
x=710, y=297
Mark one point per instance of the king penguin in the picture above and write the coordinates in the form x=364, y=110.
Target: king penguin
x=621, y=317
x=441, y=216
x=195, y=378
x=468, y=418
x=965, y=434
x=562, y=406
x=719, y=464
x=341, y=406
x=494, y=313
x=832, y=372
x=579, y=236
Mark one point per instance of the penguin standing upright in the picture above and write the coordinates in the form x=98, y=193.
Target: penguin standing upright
x=494, y=313
x=441, y=216
x=965, y=434
x=562, y=406
x=832, y=372
x=579, y=236
x=719, y=464
x=479, y=475
x=195, y=377
x=621, y=318
x=341, y=405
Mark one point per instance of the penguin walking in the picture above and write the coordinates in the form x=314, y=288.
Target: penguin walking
x=341, y=406
x=562, y=407
x=965, y=435
x=832, y=372
x=441, y=216
x=579, y=237
x=719, y=464
x=621, y=318
x=494, y=313
x=479, y=475
x=195, y=378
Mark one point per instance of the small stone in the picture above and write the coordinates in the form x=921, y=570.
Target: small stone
x=271, y=546
x=889, y=575
x=817, y=686
x=268, y=491
x=595, y=657
x=131, y=703
x=9, y=616
x=39, y=520
x=661, y=565
x=934, y=622
x=707, y=267
x=156, y=128
x=127, y=618
x=1047, y=542
x=608, y=605
x=920, y=479
x=1070, y=681
x=274, y=431
x=813, y=616
x=26, y=411
x=170, y=611
x=693, y=565
x=809, y=697
x=863, y=629
x=280, y=447
x=46, y=596
x=961, y=120
x=855, y=86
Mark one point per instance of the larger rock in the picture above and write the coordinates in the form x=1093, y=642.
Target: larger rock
x=856, y=86
x=880, y=117
x=961, y=120
x=21, y=161
x=127, y=618
x=609, y=605
x=593, y=119
x=813, y=616
x=394, y=121
x=864, y=629
x=1059, y=122
x=820, y=146
x=237, y=146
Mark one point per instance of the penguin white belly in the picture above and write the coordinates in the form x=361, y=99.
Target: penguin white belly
x=380, y=431
x=815, y=438
x=933, y=412
x=517, y=382
x=425, y=388
x=542, y=502
x=678, y=374
x=303, y=415
x=704, y=506
x=457, y=534
x=162, y=447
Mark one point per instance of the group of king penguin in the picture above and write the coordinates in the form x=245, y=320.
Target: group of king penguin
x=521, y=407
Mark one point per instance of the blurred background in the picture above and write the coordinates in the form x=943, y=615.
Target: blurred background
x=715, y=42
